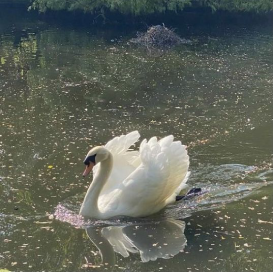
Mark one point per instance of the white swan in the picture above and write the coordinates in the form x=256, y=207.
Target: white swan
x=134, y=183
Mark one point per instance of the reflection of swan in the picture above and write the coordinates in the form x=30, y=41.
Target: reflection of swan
x=133, y=183
x=154, y=240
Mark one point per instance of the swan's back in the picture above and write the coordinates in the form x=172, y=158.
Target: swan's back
x=171, y=160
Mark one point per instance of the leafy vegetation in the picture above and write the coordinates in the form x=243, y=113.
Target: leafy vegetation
x=128, y=6
x=138, y=7
x=240, y=5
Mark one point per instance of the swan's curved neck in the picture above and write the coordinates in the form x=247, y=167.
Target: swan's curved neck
x=89, y=206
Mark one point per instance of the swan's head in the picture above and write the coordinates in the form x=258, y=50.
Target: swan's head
x=94, y=156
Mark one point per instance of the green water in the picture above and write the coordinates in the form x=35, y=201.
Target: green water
x=64, y=89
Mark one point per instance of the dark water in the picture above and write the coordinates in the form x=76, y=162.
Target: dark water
x=64, y=89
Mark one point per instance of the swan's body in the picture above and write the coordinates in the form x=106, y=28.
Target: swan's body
x=134, y=183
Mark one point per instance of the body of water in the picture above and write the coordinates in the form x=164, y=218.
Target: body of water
x=64, y=89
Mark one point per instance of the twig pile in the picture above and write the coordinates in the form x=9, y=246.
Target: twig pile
x=159, y=37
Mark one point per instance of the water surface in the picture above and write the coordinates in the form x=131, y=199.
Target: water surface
x=65, y=89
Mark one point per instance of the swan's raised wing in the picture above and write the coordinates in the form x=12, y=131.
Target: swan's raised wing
x=125, y=161
x=119, y=147
x=159, y=178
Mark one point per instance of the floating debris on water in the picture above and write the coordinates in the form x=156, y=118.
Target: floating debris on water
x=159, y=37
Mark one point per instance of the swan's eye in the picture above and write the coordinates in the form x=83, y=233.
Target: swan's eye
x=90, y=159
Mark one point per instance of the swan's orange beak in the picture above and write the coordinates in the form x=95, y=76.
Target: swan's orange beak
x=88, y=169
